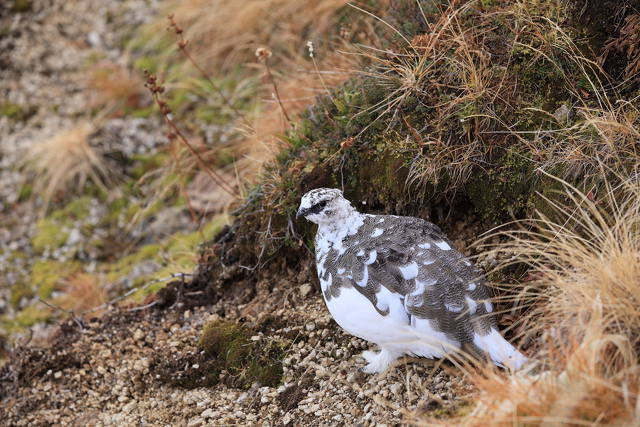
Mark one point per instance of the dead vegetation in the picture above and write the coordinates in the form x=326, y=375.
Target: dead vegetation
x=221, y=37
x=66, y=161
x=224, y=34
x=115, y=87
x=628, y=43
x=580, y=296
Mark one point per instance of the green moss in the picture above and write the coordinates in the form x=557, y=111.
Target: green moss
x=49, y=235
x=227, y=353
x=139, y=211
x=503, y=191
x=125, y=265
x=146, y=63
x=51, y=231
x=225, y=157
x=20, y=290
x=175, y=254
x=46, y=275
x=25, y=192
x=76, y=209
x=141, y=113
x=244, y=360
x=14, y=112
x=31, y=315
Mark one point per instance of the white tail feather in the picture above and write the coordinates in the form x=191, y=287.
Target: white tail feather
x=501, y=352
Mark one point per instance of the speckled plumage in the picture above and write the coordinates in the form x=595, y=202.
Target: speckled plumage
x=398, y=282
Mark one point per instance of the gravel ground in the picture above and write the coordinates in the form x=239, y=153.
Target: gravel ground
x=107, y=374
x=45, y=52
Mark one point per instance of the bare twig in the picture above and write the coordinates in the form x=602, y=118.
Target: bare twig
x=75, y=318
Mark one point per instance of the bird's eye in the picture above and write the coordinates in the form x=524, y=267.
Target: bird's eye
x=318, y=207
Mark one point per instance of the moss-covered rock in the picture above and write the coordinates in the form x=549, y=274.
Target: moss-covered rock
x=231, y=353
x=245, y=360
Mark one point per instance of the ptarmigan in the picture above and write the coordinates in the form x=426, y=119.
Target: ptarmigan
x=398, y=282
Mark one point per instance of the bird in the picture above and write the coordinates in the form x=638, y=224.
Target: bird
x=398, y=282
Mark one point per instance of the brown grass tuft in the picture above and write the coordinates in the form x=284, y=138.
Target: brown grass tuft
x=628, y=42
x=583, y=251
x=222, y=37
x=298, y=88
x=82, y=292
x=584, y=318
x=585, y=386
x=113, y=86
x=64, y=161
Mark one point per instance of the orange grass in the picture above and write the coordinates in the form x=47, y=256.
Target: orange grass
x=584, y=315
x=82, y=292
x=113, y=86
x=223, y=34
x=64, y=161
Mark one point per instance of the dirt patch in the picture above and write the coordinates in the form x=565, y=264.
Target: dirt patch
x=293, y=394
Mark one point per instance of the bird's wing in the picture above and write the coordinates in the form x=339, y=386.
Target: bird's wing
x=412, y=260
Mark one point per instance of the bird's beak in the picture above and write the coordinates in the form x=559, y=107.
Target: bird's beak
x=302, y=212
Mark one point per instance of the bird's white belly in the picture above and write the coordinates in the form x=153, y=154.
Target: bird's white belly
x=356, y=315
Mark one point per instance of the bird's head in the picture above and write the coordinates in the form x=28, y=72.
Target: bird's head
x=324, y=205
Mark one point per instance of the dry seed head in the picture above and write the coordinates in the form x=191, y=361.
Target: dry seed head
x=262, y=53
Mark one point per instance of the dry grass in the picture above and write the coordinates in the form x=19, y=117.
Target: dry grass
x=588, y=251
x=468, y=71
x=65, y=161
x=579, y=304
x=222, y=37
x=114, y=86
x=298, y=88
x=610, y=135
x=586, y=385
x=223, y=34
x=82, y=292
x=628, y=42
x=415, y=72
x=583, y=317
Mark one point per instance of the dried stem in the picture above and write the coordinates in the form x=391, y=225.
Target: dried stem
x=182, y=47
x=275, y=90
x=156, y=91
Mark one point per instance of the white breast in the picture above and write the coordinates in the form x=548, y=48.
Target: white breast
x=356, y=315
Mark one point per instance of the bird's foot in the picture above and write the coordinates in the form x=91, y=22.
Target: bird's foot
x=378, y=362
